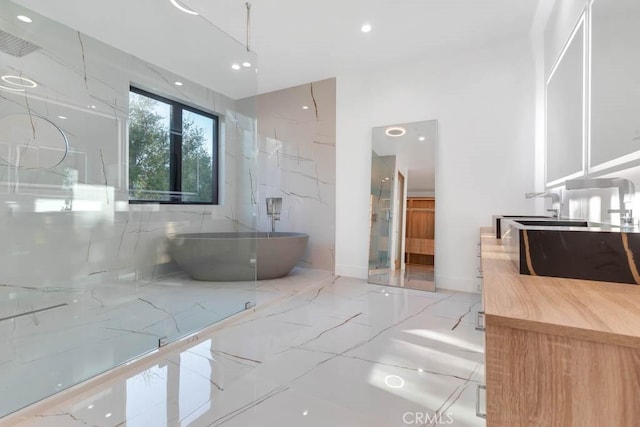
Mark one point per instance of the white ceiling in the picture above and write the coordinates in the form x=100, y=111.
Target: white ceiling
x=298, y=41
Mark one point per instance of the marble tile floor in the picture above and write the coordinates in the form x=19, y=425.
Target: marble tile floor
x=99, y=326
x=344, y=353
x=413, y=277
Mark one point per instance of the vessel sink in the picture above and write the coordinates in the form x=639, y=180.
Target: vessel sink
x=574, y=249
x=497, y=221
x=553, y=222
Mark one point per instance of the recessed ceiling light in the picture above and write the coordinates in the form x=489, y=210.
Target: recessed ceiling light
x=93, y=107
x=62, y=117
x=421, y=138
x=19, y=81
x=108, y=415
x=183, y=8
x=305, y=413
x=246, y=64
x=178, y=83
x=395, y=131
x=235, y=67
x=365, y=28
x=24, y=19
x=90, y=407
x=305, y=107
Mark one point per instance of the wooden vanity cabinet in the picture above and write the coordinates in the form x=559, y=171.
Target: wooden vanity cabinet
x=559, y=352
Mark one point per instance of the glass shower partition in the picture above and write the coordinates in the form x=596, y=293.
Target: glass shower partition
x=86, y=280
x=381, y=211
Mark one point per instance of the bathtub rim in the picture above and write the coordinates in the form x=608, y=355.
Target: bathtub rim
x=239, y=235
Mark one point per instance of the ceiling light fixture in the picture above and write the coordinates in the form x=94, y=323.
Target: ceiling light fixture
x=235, y=67
x=305, y=107
x=93, y=107
x=183, y=8
x=24, y=18
x=421, y=138
x=246, y=64
x=62, y=117
x=178, y=83
x=365, y=28
x=21, y=81
x=395, y=131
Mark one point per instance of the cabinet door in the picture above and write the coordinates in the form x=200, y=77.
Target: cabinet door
x=615, y=83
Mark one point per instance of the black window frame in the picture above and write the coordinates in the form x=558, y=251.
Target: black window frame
x=175, y=151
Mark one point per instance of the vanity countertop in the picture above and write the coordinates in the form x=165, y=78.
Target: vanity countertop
x=590, y=310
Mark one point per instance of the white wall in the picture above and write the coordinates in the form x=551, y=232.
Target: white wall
x=484, y=103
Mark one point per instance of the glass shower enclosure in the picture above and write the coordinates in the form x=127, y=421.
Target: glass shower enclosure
x=381, y=211
x=86, y=280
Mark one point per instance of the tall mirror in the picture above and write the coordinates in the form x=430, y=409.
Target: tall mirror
x=402, y=205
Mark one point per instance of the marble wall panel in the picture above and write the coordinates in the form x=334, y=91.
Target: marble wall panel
x=296, y=161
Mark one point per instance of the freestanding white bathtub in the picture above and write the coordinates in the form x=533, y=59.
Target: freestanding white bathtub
x=223, y=257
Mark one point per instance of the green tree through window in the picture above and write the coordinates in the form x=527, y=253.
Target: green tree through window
x=172, y=151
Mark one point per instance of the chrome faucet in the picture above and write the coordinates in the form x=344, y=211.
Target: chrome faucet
x=274, y=206
x=555, y=198
x=626, y=190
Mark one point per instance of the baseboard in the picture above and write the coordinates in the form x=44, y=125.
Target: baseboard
x=354, y=271
x=462, y=284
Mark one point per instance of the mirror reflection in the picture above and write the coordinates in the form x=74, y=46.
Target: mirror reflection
x=402, y=205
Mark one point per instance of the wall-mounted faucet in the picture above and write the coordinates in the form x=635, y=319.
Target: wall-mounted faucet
x=626, y=190
x=274, y=207
x=555, y=198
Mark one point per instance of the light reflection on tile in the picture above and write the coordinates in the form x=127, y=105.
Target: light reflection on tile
x=304, y=362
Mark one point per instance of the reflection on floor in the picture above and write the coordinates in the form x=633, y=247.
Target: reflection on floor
x=96, y=327
x=414, y=277
x=345, y=353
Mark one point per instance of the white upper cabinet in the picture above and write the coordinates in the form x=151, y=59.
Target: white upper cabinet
x=565, y=100
x=615, y=84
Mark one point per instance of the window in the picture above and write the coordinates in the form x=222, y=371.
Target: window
x=173, y=151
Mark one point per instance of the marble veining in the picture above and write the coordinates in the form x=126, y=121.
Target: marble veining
x=56, y=337
x=296, y=158
x=340, y=352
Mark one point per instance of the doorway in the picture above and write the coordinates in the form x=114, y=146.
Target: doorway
x=420, y=242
